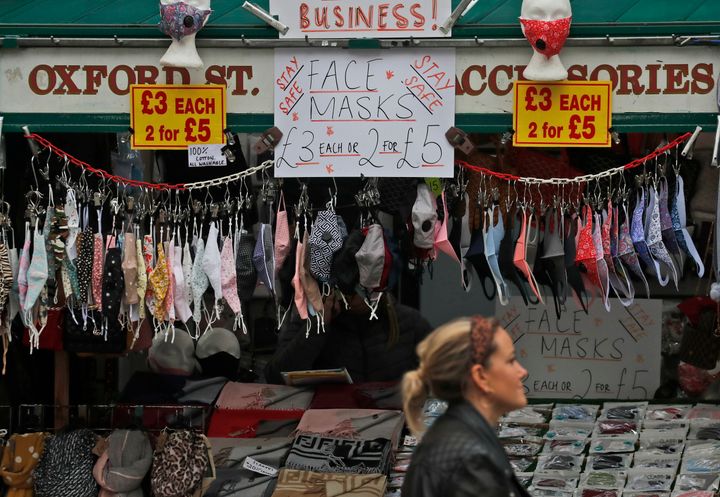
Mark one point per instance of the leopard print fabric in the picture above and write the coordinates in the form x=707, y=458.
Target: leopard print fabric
x=179, y=465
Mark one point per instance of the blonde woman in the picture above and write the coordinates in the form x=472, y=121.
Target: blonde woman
x=471, y=364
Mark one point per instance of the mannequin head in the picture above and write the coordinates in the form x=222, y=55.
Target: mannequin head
x=181, y=20
x=546, y=25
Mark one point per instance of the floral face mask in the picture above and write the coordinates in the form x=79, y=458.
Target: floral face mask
x=180, y=19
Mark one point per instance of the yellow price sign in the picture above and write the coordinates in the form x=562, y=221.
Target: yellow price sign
x=176, y=116
x=567, y=113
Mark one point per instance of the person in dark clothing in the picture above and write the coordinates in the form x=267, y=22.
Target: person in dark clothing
x=372, y=350
x=471, y=364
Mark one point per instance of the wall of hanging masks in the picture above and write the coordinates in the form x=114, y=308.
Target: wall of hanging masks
x=117, y=252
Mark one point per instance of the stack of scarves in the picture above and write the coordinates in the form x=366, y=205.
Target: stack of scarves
x=337, y=455
x=293, y=483
x=247, y=410
x=356, y=424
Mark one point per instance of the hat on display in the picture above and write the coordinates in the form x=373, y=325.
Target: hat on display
x=218, y=352
x=173, y=353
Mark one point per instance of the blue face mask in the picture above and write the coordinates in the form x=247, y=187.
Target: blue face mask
x=180, y=19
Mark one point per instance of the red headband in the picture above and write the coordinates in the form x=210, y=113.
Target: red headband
x=481, y=337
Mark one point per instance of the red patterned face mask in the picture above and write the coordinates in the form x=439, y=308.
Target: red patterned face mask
x=546, y=37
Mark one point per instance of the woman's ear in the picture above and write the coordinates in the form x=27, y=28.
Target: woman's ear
x=479, y=378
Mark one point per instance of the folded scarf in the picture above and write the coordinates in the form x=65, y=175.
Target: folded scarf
x=238, y=423
x=338, y=455
x=360, y=424
x=19, y=459
x=294, y=483
x=66, y=465
x=232, y=479
x=123, y=465
x=257, y=396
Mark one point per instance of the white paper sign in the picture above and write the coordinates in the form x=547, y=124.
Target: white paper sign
x=361, y=18
x=206, y=156
x=258, y=467
x=600, y=355
x=365, y=112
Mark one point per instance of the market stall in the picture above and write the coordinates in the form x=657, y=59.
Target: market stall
x=188, y=213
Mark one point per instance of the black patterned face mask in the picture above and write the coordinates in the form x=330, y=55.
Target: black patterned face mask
x=264, y=257
x=85, y=264
x=113, y=285
x=325, y=240
x=244, y=267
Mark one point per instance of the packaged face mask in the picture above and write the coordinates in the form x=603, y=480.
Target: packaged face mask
x=608, y=462
x=606, y=445
x=649, y=480
x=560, y=462
x=555, y=481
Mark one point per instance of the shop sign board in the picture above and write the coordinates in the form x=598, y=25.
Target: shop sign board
x=663, y=80
x=567, y=113
x=365, y=112
x=599, y=355
x=361, y=18
x=176, y=116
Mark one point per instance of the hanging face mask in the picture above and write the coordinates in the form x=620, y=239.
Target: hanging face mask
x=325, y=240
x=23, y=269
x=130, y=270
x=300, y=299
x=310, y=285
x=187, y=264
x=442, y=244
x=345, y=271
x=424, y=217
x=73, y=224
x=371, y=258
x=84, y=264
x=199, y=283
x=141, y=279
x=170, y=297
x=264, y=257
x=211, y=262
x=98, y=262
x=283, y=243
x=6, y=278
x=229, y=277
x=113, y=286
x=244, y=267
x=546, y=37
x=14, y=304
x=159, y=283
x=148, y=259
x=182, y=305
x=37, y=277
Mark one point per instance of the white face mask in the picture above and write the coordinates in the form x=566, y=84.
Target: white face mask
x=73, y=222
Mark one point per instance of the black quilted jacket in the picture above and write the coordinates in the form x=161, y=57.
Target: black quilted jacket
x=460, y=456
x=353, y=342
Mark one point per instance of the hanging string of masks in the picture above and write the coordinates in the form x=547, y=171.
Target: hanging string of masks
x=117, y=252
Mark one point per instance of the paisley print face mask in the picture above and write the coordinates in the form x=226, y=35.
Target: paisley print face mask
x=180, y=19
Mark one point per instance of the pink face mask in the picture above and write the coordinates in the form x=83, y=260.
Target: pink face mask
x=546, y=37
x=229, y=276
x=442, y=243
x=282, y=235
x=300, y=299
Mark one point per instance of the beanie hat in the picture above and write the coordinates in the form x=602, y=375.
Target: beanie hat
x=218, y=352
x=173, y=353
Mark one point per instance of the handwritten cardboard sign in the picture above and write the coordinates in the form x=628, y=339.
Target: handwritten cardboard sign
x=600, y=355
x=364, y=112
x=361, y=18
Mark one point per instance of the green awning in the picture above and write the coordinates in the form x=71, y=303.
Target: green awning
x=487, y=18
